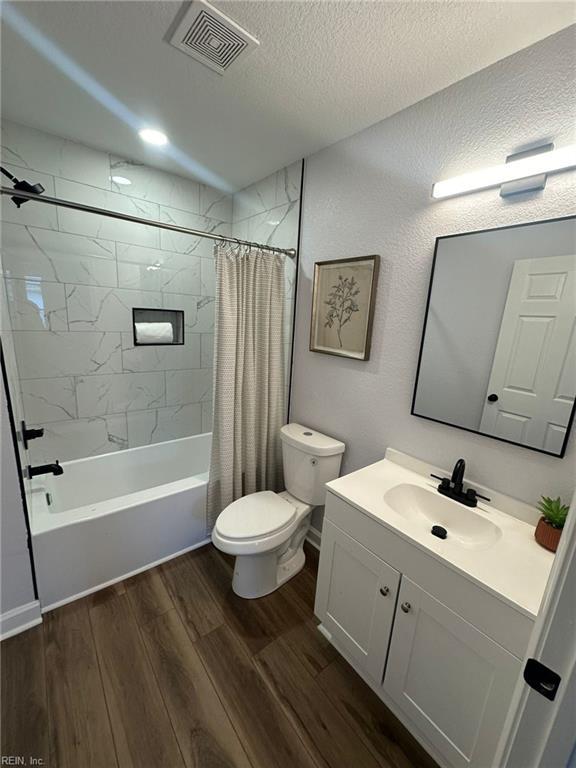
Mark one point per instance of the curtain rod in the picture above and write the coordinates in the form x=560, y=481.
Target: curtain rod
x=139, y=220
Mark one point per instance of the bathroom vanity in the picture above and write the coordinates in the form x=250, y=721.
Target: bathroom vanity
x=437, y=627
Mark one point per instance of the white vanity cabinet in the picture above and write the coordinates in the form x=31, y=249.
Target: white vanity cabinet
x=443, y=653
x=356, y=598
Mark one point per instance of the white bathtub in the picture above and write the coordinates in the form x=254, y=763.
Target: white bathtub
x=111, y=516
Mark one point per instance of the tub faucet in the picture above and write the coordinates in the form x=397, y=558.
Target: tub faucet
x=45, y=469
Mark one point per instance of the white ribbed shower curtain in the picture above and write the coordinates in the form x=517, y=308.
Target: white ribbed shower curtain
x=249, y=380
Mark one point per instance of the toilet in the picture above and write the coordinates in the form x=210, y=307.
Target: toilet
x=266, y=530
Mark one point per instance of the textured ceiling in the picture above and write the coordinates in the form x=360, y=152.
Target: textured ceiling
x=324, y=70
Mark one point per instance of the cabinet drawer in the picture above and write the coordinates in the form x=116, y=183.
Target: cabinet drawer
x=355, y=599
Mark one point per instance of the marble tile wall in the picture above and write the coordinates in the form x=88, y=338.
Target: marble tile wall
x=72, y=278
x=268, y=212
x=70, y=282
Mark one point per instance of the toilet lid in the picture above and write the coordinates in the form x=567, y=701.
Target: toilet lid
x=256, y=515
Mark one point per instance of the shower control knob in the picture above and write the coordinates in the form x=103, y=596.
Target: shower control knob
x=406, y=607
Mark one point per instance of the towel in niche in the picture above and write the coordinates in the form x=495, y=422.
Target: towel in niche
x=154, y=333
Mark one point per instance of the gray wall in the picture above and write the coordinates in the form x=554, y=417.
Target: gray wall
x=371, y=194
x=471, y=281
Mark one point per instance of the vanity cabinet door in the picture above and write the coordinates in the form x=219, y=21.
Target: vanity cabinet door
x=453, y=682
x=355, y=599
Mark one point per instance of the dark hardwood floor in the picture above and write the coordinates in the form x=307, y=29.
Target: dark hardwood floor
x=170, y=669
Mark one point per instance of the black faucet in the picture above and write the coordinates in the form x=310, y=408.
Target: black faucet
x=458, y=475
x=453, y=487
x=29, y=433
x=45, y=469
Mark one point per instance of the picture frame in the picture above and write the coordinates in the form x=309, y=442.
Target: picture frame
x=343, y=301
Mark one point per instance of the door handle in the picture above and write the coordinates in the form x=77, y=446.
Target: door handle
x=542, y=679
x=493, y=398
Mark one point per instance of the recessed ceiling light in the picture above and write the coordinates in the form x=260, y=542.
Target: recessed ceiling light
x=152, y=136
x=122, y=180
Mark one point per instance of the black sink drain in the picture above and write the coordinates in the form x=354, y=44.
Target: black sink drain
x=439, y=531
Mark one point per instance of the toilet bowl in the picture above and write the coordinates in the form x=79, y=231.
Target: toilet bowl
x=265, y=531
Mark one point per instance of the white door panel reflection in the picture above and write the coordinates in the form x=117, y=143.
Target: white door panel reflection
x=534, y=369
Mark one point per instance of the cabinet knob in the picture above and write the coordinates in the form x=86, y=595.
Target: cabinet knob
x=385, y=591
x=493, y=398
x=406, y=607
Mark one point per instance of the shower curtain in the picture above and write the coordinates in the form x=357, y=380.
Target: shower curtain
x=249, y=380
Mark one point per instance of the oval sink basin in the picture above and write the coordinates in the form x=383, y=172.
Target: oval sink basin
x=427, y=508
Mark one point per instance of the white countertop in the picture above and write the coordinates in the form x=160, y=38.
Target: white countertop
x=515, y=568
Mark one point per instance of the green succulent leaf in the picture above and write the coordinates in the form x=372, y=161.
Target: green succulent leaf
x=553, y=511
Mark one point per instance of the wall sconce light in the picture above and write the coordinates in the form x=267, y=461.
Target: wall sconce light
x=522, y=172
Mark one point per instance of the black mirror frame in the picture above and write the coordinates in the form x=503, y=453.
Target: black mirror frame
x=428, y=298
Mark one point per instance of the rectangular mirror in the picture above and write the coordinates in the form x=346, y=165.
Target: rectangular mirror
x=498, y=353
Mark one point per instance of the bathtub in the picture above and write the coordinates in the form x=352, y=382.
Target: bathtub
x=112, y=516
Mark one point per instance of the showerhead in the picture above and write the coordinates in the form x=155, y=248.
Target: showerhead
x=24, y=186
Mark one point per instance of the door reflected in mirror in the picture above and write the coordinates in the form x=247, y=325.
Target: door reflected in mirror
x=498, y=353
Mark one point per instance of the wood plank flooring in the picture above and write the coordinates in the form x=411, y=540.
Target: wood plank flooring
x=170, y=669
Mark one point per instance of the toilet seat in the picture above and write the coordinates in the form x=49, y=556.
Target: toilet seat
x=255, y=516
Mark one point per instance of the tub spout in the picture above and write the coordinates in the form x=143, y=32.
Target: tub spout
x=45, y=469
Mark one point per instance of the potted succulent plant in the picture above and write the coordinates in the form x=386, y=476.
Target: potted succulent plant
x=550, y=525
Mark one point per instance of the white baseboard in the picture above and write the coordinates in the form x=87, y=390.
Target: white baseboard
x=86, y=592
x=19, y=619
x=314, y=537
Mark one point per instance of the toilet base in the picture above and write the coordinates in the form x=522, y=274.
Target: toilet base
x=259, y=575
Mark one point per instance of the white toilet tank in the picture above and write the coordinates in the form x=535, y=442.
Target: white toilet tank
x=310, y=460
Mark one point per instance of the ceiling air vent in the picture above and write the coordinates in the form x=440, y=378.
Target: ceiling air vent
x=207, y=35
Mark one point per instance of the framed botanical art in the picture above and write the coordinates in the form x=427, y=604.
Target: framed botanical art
x=343, y=299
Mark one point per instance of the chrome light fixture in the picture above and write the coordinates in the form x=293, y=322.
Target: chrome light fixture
x=532, y=165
